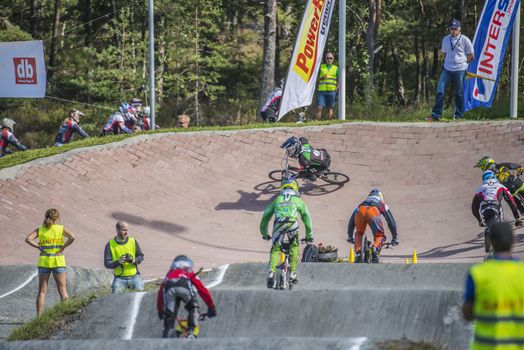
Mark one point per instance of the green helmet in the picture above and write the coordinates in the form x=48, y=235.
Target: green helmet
x=485, y=163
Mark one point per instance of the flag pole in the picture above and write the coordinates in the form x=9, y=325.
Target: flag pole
x=342, y=60
x=513, y=109
x=151, y=62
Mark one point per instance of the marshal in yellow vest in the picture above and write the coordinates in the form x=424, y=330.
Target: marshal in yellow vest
x=327, y=80
x=50, y=241
x=117, y=250
x=499, y=305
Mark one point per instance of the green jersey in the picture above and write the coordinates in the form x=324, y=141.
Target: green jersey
x=286, y=208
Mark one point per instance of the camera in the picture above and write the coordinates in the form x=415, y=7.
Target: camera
x=128, y=258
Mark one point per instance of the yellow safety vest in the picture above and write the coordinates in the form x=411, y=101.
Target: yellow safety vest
x=329, y=82
x=499, y=305
x=117, y=250
x=50, y=241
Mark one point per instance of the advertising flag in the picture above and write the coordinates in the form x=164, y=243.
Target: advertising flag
x=22, y=69
x=307, y=56
x=490, y=42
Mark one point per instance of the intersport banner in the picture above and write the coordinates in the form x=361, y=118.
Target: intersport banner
x=307, y=56
x=22, y=69
x=490, y=42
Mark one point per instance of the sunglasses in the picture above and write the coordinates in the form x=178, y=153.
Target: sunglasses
x=329, y=58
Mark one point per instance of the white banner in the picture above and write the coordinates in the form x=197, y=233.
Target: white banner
x=22, y=69
x=307, y=56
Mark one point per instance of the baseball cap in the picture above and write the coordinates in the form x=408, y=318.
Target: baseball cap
x=454, y=23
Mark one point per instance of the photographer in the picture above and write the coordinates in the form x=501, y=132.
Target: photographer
x=123, y=255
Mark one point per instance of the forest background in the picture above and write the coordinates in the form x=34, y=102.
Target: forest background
x=216, y=60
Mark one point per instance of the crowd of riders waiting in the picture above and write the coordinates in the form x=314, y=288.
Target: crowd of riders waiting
x=129, y=118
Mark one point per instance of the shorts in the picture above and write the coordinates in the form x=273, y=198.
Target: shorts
x=326, y=98
x=54, y=270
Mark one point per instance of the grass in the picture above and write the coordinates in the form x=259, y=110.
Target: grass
x=57, y=318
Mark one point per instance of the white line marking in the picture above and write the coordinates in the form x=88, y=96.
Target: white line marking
x=152, y=280
x=22, y=285
x=358, y=343
x=134, y=314
x=220, y=276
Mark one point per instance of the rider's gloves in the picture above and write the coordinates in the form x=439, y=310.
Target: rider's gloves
x=518, y=223
x=394, y=241
x=266, y=237
x=351, y=240
x=211, y=312
x=309, y=239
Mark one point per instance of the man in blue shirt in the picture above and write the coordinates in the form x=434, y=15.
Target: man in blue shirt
x=458, y=52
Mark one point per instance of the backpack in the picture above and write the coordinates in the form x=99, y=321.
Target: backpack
x=310, y=253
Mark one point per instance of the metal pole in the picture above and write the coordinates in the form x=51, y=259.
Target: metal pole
x=342, y=60
x=151, y=27
x=513, y=108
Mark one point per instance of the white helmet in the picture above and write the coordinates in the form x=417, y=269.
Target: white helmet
x=8, y=123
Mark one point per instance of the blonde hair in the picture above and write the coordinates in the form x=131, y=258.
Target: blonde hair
x=51, y=217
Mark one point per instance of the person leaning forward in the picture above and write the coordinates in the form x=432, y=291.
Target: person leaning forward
x=123, y=255
x=49, y=240
x=494, y=296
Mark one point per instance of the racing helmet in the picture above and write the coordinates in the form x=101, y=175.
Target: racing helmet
x=377, y=193
x=124, y=108
x=76, y=114
x=488, y=175
x=8, y=123
x=485, y=163
x=182, y=262
x=292, y=146
x=136, y=102
x=289, y=183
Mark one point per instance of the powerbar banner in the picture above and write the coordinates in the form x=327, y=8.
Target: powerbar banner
x=490, y=42
x=307, y=56
x=22, y=69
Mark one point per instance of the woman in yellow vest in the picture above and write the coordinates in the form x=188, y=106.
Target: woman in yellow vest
x=49, y=240
x=494, y=296
x=327, y=86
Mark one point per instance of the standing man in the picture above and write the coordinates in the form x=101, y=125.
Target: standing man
x=494, y=296
x=458, y=52
x=123, y=255
x=327, y=86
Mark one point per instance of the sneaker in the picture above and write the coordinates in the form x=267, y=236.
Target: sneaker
x=293, y=277
x=191, y=336
x=375, y=256
x=432, y=119
x=358, y=257
x=270, y=279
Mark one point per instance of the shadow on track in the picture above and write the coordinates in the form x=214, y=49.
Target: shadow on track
x=158, y=225
x=252, y=201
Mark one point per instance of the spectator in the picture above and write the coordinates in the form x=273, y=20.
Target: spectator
x=494, y=295
x=69, y=126
x=49, y=240
x=8, y=138
x=269, y=111
x=123, y=255
x=183, y=121
x=327, y=86
x=458, y=52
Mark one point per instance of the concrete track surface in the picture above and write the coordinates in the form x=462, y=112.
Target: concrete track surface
x=364, y=304
x=203, y=193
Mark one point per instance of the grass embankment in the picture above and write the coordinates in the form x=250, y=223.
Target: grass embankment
x=32, y=154
x=55, y=319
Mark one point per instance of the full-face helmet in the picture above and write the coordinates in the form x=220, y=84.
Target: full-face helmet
x=182, y=262
x=8, y=123
x=76, y=114
x=377, y=193
x=290, y=183
x=488, y=175
x=292, y=146
x=485, y=163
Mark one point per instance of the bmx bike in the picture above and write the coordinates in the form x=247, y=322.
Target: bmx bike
x=182, y=327
x=309, y=175
x=367, y=247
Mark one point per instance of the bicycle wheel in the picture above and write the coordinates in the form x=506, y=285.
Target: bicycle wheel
x=366, y=250
x=276, y=174
x=334, y=178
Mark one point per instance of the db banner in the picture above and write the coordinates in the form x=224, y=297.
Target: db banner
x=307, y=56
x=22, y=69
x=490, y=42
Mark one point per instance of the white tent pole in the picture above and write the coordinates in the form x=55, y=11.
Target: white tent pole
x=513, y=108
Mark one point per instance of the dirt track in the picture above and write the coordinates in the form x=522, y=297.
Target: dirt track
x=203, y=193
